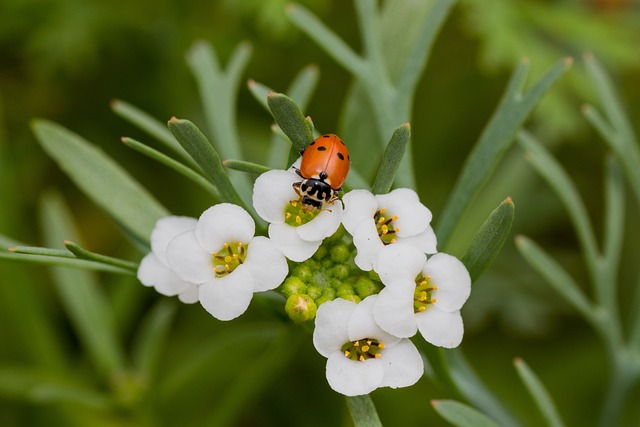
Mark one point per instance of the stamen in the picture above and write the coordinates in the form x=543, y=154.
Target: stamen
x=287, y=215
x=377, y=356
x=227, y=259
x=395, y=217
x=361, y=358
x=365, y=348
x=381, y=345
x=383, y=210
x=380, y=220
x=226, y=245
x=298, y=219
x=422, y=308
x=347, y=353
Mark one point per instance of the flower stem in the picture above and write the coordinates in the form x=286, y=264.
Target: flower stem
x=363, y=411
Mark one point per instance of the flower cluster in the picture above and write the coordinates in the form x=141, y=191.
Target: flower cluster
x=368, y=273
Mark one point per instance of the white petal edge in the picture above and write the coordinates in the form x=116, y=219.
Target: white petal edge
x=399, y=261
x=359, y=205
x=452, y=279
x=331, y=322
x=393, y=310
x=441, y=328
x=266, y=263
x=272, y=192
x=227, y=297
x=362, y=324
x=149, y=270
x=189, y=295
x=413, y=216
x=224, y=223
x=353, y=378
x=368, y=245
x=323, y=225
x=188, y=259
x=403, y=365
x=165, y=230
x=425, y=241
x=292, y=246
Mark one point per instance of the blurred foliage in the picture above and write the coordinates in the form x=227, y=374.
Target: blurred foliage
x=65, y=60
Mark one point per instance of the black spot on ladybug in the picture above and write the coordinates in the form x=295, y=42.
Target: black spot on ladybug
x=312, y=142
x=340, y=156
x=326, y=136
x=322, y=148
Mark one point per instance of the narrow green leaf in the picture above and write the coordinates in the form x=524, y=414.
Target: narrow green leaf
x=64, y=262
x=101, y=179
x=308, y=23
x=259, y=92
x=7, y=242
x=472, y=388
x=369, y=25
x=363, y=411
x=82, y=253
x=149, y=124
x=303, y=85
x=33, y=250
x=461, y=415
x=290, y=119
x=539, y=393
x=555, y=275
x=150, y=340
x=549, y=168
x=243, y=166
x=391, y=160
x=201, y=150
x=82, y=298
x=489, y=239
x=614, y=214
x=494, y=142
x=175, y=165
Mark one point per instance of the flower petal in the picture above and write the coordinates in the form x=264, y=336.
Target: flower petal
x=413, y=216
x=452, y=279
x=362, y=324
x=393, y=310
x=425, y=241
x=359, y=205
x=266, y=263
x=149, y=270
x=353, y=378
x=323, y=225
x=292, y=246
x=272, y=191
x=227, y=297
x=166, y=229
x=399, y=262
x=441, y=328
x=368, y=244
x=403, y=365
x=189, y=295
x=224, y=223
x=188, y=259
x=331, y=322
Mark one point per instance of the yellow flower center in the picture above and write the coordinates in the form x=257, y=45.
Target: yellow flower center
x=384, y=225
x=228, y=258
x=296, y=215
x=422, y=295
x=364, y=349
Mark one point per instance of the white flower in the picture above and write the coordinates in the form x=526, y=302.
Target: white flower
x=361, y=356
x=222, y=256
x=376, y=221
x=421, y=294
x=154, y=270
x=296, y=231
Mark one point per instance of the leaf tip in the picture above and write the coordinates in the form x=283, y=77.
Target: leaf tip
x=115, y=103
x=12, y=249
x=587, y=55
x=251, y=83
x=586, y=108
x=508, y=200
x=290, y=7
x=524, y=60
x=435, y=403
x=568, y=61
x=519, y=239
x=517, y=361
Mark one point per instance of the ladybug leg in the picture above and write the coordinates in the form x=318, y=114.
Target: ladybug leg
x=299, y=173
x=301, y=151
x=296, y=187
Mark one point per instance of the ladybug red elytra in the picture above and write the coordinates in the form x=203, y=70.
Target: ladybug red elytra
x=324, y=167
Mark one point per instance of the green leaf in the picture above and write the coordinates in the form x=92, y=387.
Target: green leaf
x=494, y=142
x=32, y=250
x=461, y=415
x=555, y=275
x=559, y=180
x=64, y=261
x=290, y=119
x=303, y=85
x=151, y=338
x=363, y=411
x=489, y=239
x=150, y=125
x=101, y=179
x=614, y=214
x=175, y=165
x=471, y=387
x=243, y=166
x=82, y=298
x=200, y=149
x=539, y=393
x=82, y=253
x=7, y=242
x=259, y=92
x=391, y=160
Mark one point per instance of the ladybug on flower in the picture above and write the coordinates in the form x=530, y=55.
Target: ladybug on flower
x=324, y=168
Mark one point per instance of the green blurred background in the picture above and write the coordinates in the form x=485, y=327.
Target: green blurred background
x=66, y=60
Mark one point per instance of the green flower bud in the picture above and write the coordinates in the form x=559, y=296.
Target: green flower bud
x=341, y=271
x=352, y=298
x=314, y=291
x=340, y=253
x=303, y=271
x=337, y=236
x=366, y=287
x=300, y=308
x=323, y=299
x=321, y=253
x=293, y=285
x=374, y=276
x=329, y=292
x=345, y=289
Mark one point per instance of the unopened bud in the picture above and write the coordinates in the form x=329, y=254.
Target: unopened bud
x=300, y=308
x=314, y=291
x=293, y=285
x=366, y=287
x=340, y=253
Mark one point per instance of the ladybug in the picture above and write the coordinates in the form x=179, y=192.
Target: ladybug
x=324, y=167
